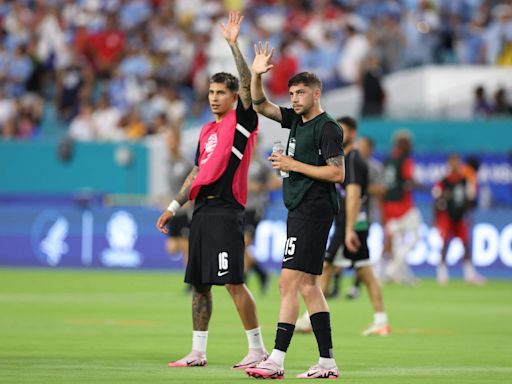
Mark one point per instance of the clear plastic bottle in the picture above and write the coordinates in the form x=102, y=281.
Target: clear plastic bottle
x=278, y=147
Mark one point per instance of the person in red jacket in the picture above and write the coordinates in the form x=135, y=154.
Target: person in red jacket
x=218, y=185
x=401, y=217
x=453, y=196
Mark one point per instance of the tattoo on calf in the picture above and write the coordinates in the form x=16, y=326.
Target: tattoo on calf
x=201, y=309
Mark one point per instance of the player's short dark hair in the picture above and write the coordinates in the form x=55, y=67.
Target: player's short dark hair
x=230, y=81
x=309, y=79
x=350, y=122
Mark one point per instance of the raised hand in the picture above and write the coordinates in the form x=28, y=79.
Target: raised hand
x=261, y=63
x=231, y=30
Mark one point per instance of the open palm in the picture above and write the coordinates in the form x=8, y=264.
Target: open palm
x=261, y=63
x=231, y=30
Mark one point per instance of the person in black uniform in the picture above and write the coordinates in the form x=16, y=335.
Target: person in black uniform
x=179, y=169
x=218, y=184
x=350, y=240
x=261, y=179
x=314, y=162
x=348, y=247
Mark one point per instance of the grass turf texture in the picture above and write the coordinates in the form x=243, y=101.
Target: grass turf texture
x=92, y=326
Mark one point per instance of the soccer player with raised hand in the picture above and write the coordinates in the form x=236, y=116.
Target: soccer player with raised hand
x=314, y=162
x=218, y=185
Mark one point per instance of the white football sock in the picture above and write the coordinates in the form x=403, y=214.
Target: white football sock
x=277, y=357
x=326, y=362
x=380, y=318
x=199, y=340
x=254, y=338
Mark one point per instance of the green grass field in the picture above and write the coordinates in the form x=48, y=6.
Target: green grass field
x=74, y=326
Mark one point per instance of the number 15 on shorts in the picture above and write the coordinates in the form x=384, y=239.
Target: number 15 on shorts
x=289, y=249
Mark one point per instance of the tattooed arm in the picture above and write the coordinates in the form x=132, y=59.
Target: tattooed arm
x=182, y=198
x=231, y=31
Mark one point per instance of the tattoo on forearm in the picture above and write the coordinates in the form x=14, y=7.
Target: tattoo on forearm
x=182, y=197
x=338, y=161
x=201, y=309
x=259, y=101
x=245, y=75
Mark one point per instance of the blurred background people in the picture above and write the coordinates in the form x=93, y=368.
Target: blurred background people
x=481, y=106
x=179, y=168
x=371, y=85
x=453, y=196
x=401, y=217
x=262, y=179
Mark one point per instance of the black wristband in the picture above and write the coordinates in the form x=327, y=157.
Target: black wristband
x=259, y=101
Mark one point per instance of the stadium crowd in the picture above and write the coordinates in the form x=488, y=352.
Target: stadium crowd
x=123, y=69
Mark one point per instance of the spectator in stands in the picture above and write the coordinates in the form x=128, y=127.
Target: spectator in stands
x=371, y=84
x=133, y=125
x=500, y=107
x=18, y=72
x=18, y=24
x=388, y=38
x=354, y=51
x=498, y=36
x=285, y=66
x=83, y=126
x=481, y=107
x=175, y=106
x=106, y=119
x=172, y=44
x=135, y=63
x=73, y=82
x=471, y=43
x=106, y=46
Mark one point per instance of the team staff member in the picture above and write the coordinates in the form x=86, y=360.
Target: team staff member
x=355, y=204
x=349, y=248
x=179, y=169
x=218, y=184
x=401, y=217
x=314, y=163
x=261, y=179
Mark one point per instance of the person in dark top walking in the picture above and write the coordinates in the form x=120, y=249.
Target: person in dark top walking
x=179, y=169
x=313, y=164
x=348, y=247
x=453, y=196
x=356, y=223
x=218, y=185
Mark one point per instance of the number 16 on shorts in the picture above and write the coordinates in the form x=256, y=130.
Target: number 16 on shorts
x=223, y=264
x=289, y=249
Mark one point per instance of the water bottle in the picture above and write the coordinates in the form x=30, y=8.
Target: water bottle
x=278, y=147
